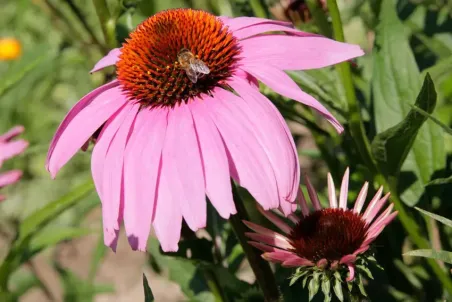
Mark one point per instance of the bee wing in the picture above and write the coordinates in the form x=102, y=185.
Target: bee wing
x=192, y=74
x=199, y=66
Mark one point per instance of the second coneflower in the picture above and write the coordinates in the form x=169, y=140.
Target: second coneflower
x=184, y=115
x=328, y=245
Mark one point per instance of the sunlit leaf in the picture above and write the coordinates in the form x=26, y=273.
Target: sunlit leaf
x=438, y=255
x=439, y=218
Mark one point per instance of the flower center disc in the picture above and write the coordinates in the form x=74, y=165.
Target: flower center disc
x=328, y=234
x=155, y=67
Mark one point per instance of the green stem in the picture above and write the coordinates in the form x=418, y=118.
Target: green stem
x=363, y=145
x=320, y=18
x=107, y=22
x=214, y=286
x=258, y=9
x=260, y=267
x=354, y=113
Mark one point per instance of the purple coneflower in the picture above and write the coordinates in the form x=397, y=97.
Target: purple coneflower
x=8, y=149
x=333, y=239
x=185, y=114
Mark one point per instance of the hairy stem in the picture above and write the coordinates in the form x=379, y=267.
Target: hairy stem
x=107, y=22
x=260, y=267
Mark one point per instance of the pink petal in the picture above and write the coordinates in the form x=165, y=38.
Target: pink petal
x=182, y=155
x=110, y=59
x=361, y=198
x=378, y=228
x=312, y=194
x=382, y=215
x=331, y=192
x=351, y=275
x=270, y=129
x=11, y=149
x=234, y=24
x=322, y=263
x=374, y=211
x=141, y=171
x=281, y=83
x=168, y=216
x=348, y=259
x=71, y=136
x=296, y=261
x=264, y=231
x=79, y=106
x=249, y=164
x=10, y=177
x=112, y=182
x=2, y=198
x=361, y=250
x=344, y=190
x=294, y=218
x=278, y=256
x=12, y=133
x=215, y=162
x=373, y=202
x=266, y=248
x=275, y=241
x=275, y=220
x=253, y=30
x=296, y=53
x=302, y=202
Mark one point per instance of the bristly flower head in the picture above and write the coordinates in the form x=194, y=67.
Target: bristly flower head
x=327, y=243
x=185, y=114
x=8, y=149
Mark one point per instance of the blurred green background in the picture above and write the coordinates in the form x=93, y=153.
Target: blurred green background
x=62, y=40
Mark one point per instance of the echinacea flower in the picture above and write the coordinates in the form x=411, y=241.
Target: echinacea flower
x=327, y=239
x=185, y=114
x=10, y=49
x=8, y=149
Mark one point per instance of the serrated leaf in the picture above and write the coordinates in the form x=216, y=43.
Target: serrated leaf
x=439, y=218
x=444, y=256
x=326, y=288
x=395, y=83
x=391, y=147
x=338, y=287
x=148, y=295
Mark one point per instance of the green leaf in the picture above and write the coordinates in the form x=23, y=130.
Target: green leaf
x=365, y=270
x=326, y=288
x=361, y=286
x=391, y=147
x=395, y=83
x=313, y=286
x=439, y=218
x=433, y=119
x=444, y=256
x=148, y=296
x=440, y=181
x=51, y=236
x=338, y=286
x=408, y=273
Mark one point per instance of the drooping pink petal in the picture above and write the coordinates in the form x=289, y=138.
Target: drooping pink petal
x=351, y=275
x=81, y=127
x=253, y=30
x=275, y=220
x=11, y=133
x=185, y=167
x=278, y=256
x=270, y=128
x=10, y=149
x=267, y=248
x=361, y=198
x=281, y=83
x=113, y=176
x=344, y=190
x=348, y=259
x=296, y=261
x=234, y=24
x=372, y=213
x=168, y=215
x=141, y=171
x=373, y=202
x=249, y=79
x=10, y=177
x=247, y=158
x=312, y=194
x=332, y=192
x=264, y=231
x=79, y=106
x=296, y=53
x=103, y=144
x=110, y=59
x=361, y=250
x=215, y=162
x=275, y=241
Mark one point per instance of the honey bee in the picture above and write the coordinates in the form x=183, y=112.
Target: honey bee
x=194, y=68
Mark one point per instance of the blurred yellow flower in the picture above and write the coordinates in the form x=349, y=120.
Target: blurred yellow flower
x=10, y=49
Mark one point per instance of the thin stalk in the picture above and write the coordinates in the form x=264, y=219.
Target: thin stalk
x=319, y=17
x=107, y=22
x=260, y=267
x=363, y=145
x=214, y=286
x=258, y=8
